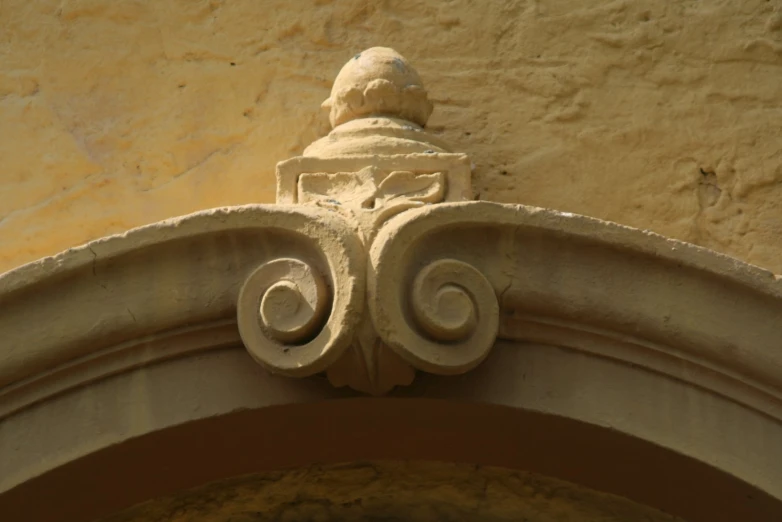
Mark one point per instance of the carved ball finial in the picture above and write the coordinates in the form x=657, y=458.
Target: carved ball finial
x=378, y=81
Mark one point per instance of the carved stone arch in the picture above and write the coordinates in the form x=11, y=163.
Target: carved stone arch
x=229, y=419
x=581, y=385
x=573, y=281
x=503, y=335
x=164, y=290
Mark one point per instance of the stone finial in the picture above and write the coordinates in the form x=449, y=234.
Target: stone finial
x=377, y=162
x=378, y=81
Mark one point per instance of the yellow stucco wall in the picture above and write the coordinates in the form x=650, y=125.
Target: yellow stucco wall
x=655, y=114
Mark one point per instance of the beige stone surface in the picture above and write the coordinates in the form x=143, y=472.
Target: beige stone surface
x=658, y=115
x=393, y=491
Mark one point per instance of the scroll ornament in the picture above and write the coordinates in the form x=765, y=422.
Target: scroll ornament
x=378, y=162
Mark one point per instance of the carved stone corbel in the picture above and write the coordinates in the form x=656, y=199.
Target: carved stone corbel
x=377, y=162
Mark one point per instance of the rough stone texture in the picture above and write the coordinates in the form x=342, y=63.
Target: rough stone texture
x=393, y=491
x=658, y=115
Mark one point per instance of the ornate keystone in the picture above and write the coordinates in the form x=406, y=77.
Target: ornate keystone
x=377, y=162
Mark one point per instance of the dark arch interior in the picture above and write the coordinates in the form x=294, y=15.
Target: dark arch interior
x=350, y=430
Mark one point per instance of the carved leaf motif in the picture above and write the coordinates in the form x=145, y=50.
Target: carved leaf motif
x=425, y=188
x=350, y=189
x=367, y=189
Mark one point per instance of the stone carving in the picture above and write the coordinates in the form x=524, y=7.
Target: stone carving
x=454, y=313
x=297, y=314
x=294, y=303
x=378, y=82
x=377, y=162
x=377, y=265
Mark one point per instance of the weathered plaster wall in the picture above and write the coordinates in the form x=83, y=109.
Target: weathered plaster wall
x=393, y=491
x=659, y=115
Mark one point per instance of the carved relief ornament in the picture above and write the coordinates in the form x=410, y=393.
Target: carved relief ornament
x=378, y=162
x=374, y=265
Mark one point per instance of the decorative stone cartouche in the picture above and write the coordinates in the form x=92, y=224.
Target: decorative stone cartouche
x=378, y=161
